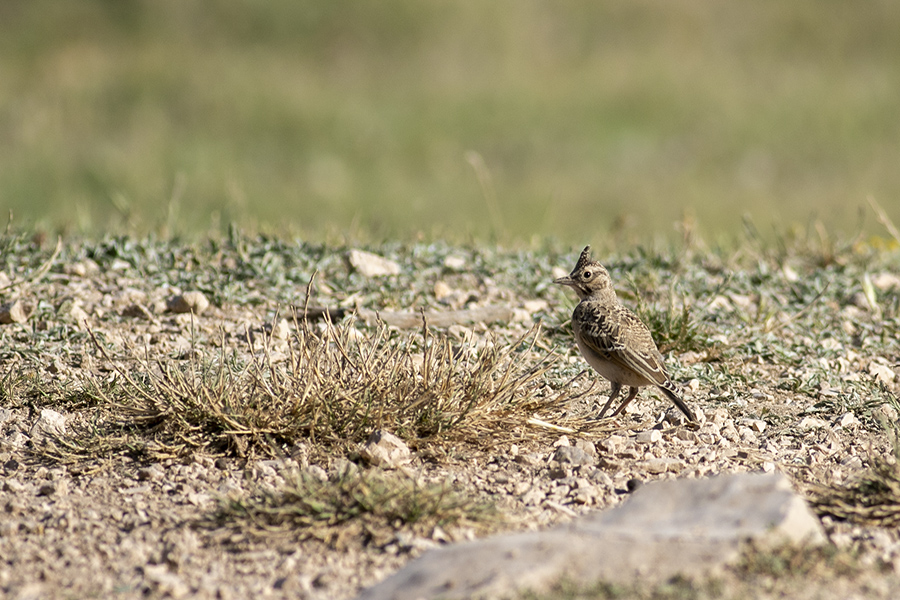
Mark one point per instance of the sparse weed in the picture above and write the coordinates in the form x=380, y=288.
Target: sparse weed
x=676, y=328
x=777, y=569
x=353, y=507
x=791, y=560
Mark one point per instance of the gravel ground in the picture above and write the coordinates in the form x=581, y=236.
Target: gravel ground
x=789, y=355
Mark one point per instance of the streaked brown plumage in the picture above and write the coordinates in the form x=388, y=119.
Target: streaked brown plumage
x=613, y=339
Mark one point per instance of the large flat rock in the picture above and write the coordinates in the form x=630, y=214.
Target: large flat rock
x=665, y=528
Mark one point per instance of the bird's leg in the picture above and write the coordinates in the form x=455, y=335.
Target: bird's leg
x=632, y=392
x=613, y=392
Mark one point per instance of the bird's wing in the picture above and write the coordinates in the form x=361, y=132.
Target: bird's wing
x=618, y=335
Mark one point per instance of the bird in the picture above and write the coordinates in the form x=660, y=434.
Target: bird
x=614, y=340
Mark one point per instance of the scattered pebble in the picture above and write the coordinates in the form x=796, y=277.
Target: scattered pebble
x=372, y=265
x=442, y=291
x=757, y=425
x=454, y=262
x=572, y=455
x=882, y=372
x=885, y=281
x=279, y=330
x=651, y=436
x=384, y=449
x=137, y=311
x=848, y=420
x=531, y=459
x=533, y=306
x=47, y=489
x=188, y=302
x=14, y=312
x=49, y=423
x=807, y=423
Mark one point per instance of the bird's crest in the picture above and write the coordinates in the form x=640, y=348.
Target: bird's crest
x=585, y=258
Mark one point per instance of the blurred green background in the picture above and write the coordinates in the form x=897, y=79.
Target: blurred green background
x=506, y=119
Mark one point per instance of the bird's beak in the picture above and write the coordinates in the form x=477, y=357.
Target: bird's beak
x=564, y=281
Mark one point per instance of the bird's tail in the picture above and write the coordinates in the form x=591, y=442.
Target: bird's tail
x=669, y=390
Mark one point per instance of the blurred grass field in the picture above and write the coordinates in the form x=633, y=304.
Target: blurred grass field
x=577, y=119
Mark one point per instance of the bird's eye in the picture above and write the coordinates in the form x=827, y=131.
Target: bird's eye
x=586, y=275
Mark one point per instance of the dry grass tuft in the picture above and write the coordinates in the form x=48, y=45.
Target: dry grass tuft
x=873, y=500
x=334, y=389
x=353, y=507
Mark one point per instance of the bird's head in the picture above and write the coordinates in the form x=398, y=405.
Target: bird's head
x=588, y=278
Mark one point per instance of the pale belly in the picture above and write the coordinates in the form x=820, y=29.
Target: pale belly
x=610, y=370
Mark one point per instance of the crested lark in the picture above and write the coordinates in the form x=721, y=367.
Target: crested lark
x=613, y=339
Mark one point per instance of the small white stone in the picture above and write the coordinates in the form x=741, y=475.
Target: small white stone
x=562, y=441
x=649, y=437
x=372, y=265
x=830, y=344
x=188, y=302
x=533, y=306
x=719, y=416
x=75, y=269
x=657, y=465
x=811, y=423
x=757, y=425
x=14, y=312
x=758, y=394
x=442, y=290
x=520, y=315
x=317, y=472
x=384, y=449
x=884, y=281
x=49, y=423
x=719, y=303
x=789, y=273
x=613, y=444
x=852, y=462
x=119, y=265
x=882, y=373
x=81, y=268
x=281, y=330
x=887, y=411
x=848, y=420
x=454, y=262
x=686, y=435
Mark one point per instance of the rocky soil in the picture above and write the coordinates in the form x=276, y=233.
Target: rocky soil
x=790, y=357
